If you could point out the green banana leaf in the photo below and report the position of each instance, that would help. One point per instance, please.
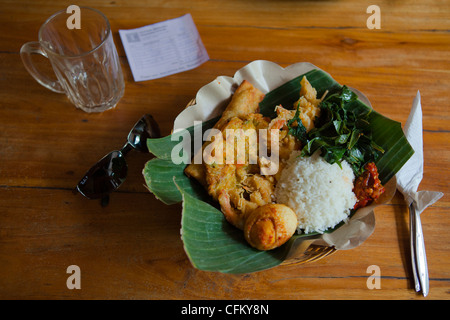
(210, 242)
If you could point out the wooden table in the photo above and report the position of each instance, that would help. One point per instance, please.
(132, 249)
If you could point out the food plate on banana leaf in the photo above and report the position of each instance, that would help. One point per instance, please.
(328, 160)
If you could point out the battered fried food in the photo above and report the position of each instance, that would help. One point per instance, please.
(270, 226)
(244, 101)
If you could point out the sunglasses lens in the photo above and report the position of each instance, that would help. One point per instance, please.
(145, 128)
(105, 177)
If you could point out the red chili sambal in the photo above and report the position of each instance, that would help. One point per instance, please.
(367, 186)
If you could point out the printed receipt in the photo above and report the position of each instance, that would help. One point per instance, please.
(163, 48)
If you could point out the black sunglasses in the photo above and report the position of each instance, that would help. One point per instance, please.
(110, 172)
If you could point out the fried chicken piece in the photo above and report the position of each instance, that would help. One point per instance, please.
(237, 184)
(244, 101)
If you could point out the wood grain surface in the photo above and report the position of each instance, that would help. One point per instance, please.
(132, 249)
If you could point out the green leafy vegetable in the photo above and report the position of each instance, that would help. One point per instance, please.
(342, 132)
(299, 129)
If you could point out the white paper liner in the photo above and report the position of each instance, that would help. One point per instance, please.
(212, 99)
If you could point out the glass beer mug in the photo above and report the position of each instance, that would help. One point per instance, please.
(85, 60)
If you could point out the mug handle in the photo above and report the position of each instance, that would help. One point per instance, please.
(26, 51)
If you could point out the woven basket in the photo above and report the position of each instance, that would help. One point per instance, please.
(313, 253)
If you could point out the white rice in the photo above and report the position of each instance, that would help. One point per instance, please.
(319, 193)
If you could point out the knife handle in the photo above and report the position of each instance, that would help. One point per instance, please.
(421, 257)
(412, 234)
